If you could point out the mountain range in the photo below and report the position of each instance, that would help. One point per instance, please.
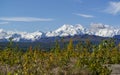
(96, 29)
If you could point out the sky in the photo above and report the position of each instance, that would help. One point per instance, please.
(48, 15)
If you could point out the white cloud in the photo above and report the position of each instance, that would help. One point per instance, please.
(25, 19)
(84, 15)
(1, 23)
(113, 8)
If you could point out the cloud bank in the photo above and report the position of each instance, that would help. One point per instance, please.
(1, 23)
(113, 8)
(84, 15)
(25, 19)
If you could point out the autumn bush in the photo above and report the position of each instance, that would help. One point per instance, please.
(80, 59)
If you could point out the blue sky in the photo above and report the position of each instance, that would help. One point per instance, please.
(47, 15)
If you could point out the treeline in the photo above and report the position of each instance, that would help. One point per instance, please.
(83, 58)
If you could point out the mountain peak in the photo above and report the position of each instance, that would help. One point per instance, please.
(67, 30)
(64, 27)
(103, 30)
(67, 25)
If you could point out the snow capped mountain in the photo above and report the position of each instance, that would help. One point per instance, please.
(104, 30)
(65, 30)
(31, 36)
(3, 34)
(95, 29)
(17, 36)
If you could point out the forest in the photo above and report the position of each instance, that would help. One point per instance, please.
(83, 58)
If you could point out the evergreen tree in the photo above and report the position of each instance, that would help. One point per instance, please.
(70, 45)
(57, 48)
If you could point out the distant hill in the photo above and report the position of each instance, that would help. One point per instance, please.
(49, 42)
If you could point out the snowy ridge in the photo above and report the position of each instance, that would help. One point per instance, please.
(17, 36)
(104, 30)
(65, 30)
